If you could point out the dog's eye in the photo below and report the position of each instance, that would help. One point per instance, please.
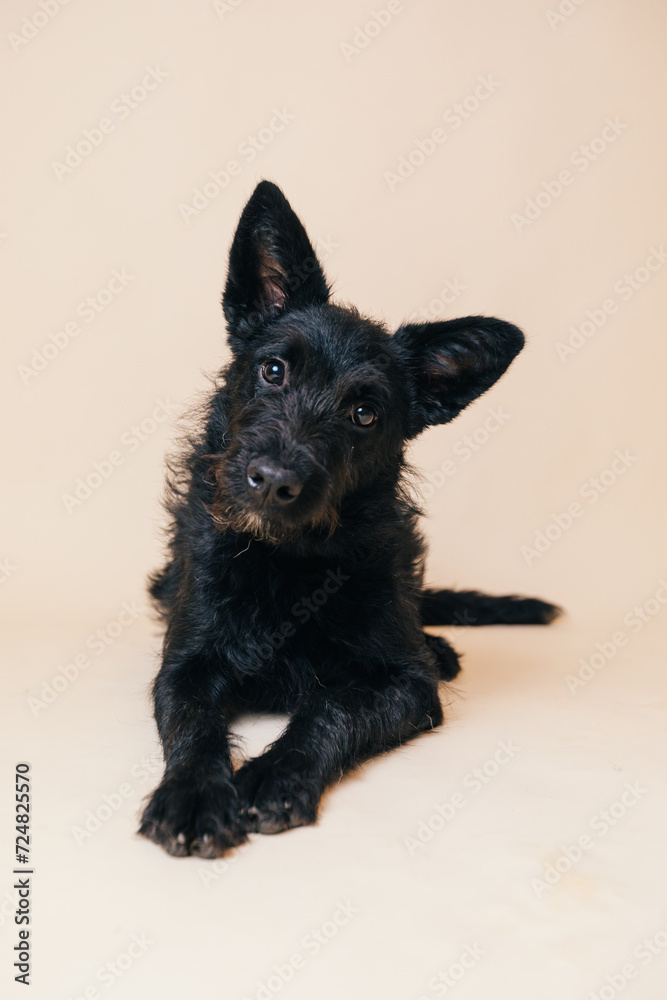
(364, 416)
(273, 371)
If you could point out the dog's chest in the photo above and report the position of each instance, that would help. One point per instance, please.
(275, 612)
(267, 593)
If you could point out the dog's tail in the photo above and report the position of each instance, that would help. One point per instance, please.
(469, 607)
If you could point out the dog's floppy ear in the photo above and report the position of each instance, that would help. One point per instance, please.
(272, 265)
(454, 362)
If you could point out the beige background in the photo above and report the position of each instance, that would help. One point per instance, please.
(391, 252)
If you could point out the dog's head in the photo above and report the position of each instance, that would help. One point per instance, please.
(320, 400)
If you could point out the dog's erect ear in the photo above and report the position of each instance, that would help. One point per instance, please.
(454, 362)
(272, 265)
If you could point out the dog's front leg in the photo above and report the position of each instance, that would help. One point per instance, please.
(194, 809)
(331, 732)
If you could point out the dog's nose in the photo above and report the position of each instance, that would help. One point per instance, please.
(272, 482)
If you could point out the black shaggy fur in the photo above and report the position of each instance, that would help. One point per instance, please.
(294, 581)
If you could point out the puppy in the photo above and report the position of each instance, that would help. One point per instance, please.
(294, 578)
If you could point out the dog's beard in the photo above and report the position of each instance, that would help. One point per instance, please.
(232, 516)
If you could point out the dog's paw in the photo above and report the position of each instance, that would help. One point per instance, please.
(446, 658)
(185, 816)
(273, 799)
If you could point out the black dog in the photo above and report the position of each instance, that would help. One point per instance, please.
(294, 582)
